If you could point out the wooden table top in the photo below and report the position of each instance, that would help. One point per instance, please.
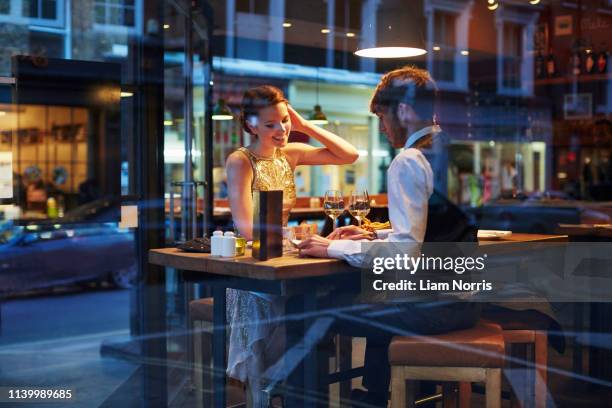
(289, 266)
(524, 237)
(593, 230)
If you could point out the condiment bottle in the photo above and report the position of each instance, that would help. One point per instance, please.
(240, 245)
(216, 243)
(229, 245)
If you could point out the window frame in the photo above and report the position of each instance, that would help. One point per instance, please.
(120, 28)
(463, 10)
(16, 16)
(526, 19)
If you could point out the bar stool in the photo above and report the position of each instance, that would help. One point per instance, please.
(465, 356)
(201, 316)
(527, 327)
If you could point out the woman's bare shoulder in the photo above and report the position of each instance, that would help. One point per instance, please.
(237, 161)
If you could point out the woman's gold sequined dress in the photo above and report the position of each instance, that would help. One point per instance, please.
(255, 336)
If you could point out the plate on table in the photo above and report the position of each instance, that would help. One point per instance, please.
(493, 234)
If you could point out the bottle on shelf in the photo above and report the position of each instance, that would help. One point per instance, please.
(540, 66)
(602, 60)
(575, 60)
(589, 62)
(551, 65)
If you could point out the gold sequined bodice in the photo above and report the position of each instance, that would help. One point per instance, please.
(273, 174)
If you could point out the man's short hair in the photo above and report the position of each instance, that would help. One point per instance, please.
(399, 86)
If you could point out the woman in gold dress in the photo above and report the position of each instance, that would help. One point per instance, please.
(267, 164)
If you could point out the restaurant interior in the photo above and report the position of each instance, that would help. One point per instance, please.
(117, 119)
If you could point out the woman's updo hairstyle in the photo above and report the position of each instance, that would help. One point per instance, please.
(258, 98)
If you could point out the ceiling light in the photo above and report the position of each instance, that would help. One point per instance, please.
(126, 94)
(436, 48)
(168, 123)
(534, 2)
(221, 111)
(399, 32)
(350, 35)
(390, 52)
(166, 26)
(325, 31)
(465, 52)
(287, 25)
(493, 6)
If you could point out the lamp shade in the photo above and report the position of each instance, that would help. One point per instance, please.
(221, 111)
(317, 116)
(396, 30)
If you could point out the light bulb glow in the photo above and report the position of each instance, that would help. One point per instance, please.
(493, 6)
(350, 35)
(319, 122)
(166, 26)
(465, 52)
(126, 94)
(222, 117)
(287, 25)
(325, 31)
(534, 2)
(436, 48)
(390, 52)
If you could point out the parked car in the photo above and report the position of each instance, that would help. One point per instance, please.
(538, 214)
(51, 253)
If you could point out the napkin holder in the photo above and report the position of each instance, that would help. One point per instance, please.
(267, 224)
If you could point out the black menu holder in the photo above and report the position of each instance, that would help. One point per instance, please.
(267, 224)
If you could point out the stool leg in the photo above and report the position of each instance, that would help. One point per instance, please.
(344, 362)
(541, 371)
(207, 374)
(449, 395)
(465, 394)
(197, 364)
(493, 388)
(398, 388)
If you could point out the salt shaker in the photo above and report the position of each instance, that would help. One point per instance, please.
(216, 243)
(229, 245)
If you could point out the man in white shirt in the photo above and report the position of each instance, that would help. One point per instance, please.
(409, 186)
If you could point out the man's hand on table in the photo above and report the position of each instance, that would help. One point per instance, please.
(315, 246)
(351, 232)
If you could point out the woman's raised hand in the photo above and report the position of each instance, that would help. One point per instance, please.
(298, 123)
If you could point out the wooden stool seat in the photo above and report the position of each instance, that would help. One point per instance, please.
(480, 346)
(201, 309)
(465, 356)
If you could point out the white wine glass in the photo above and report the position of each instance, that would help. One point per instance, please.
(359, 205)
(333, 205)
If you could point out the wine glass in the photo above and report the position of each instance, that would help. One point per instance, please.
(333, 205)
(359, 205)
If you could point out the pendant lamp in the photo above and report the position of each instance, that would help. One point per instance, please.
(317, 117)
(396, 30)
(221, 111)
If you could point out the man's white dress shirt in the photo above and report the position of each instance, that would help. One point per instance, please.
(409, 186)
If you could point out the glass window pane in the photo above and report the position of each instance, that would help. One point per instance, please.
(49, 9)
(128, 17)
(5, 6)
